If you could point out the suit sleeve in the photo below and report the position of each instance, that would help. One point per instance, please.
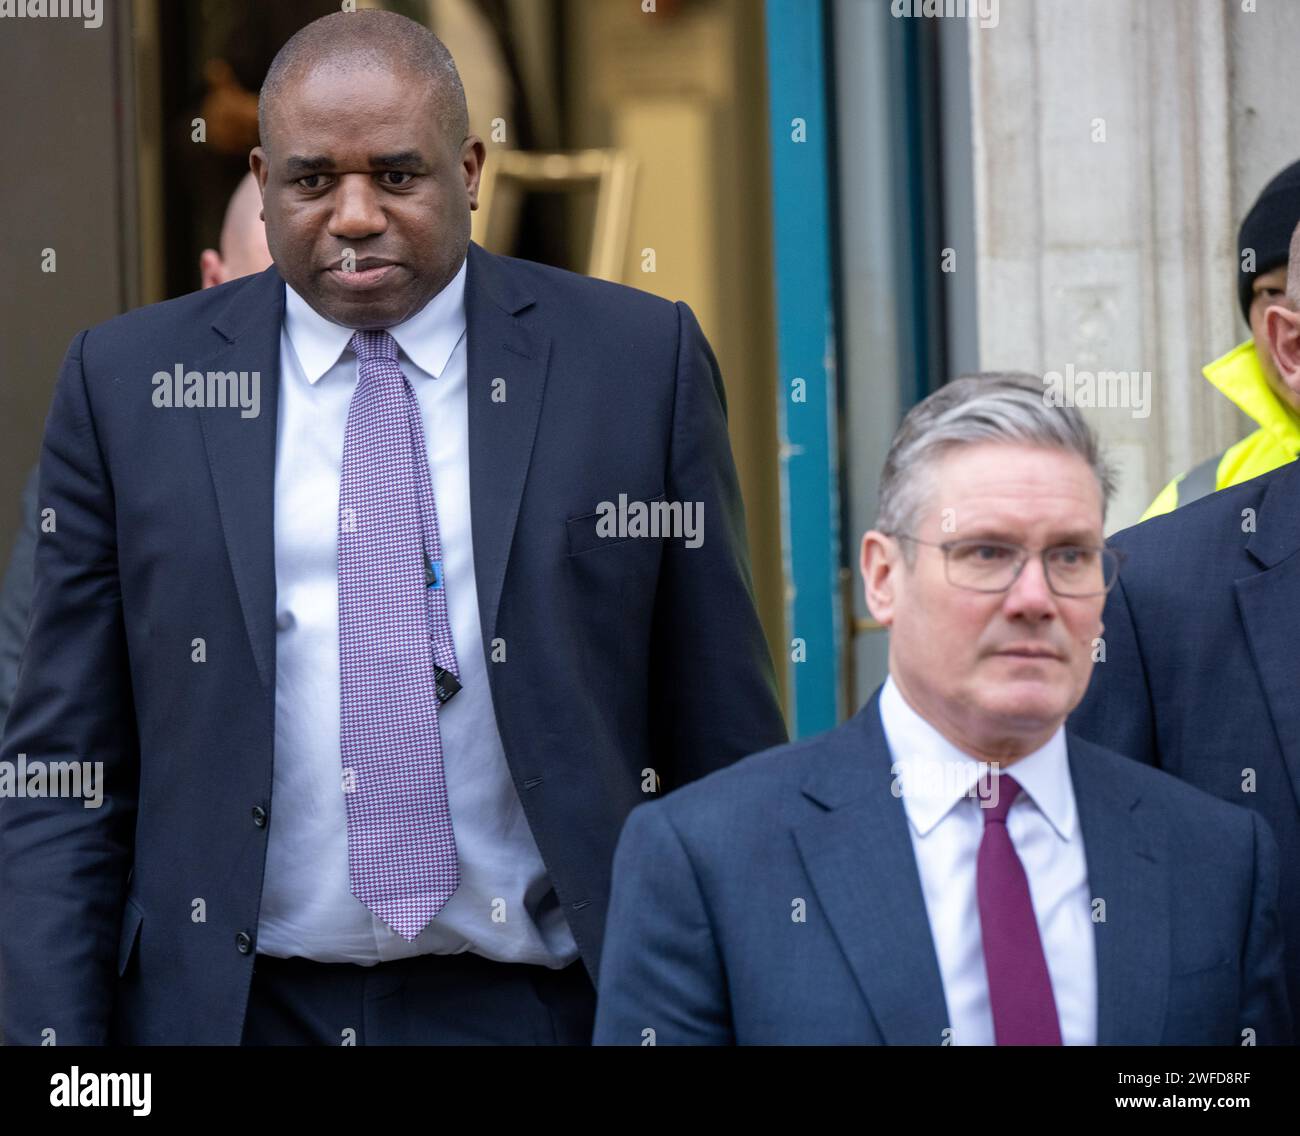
(1116, 710)
(1264, 1006)
(16, 598)
(63, 865)
(713, 683)
(661, 978)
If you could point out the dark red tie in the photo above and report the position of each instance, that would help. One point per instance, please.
(1020, 989)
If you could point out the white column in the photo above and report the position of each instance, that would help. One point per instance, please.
(1105, 215)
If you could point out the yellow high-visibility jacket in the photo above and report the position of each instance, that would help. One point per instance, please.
(1239, 376)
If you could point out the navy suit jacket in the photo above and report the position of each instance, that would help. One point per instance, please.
(16, 596)
(1202, 668)
(621, 656)
(702, 946)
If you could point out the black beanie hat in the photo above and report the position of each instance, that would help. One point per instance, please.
(1267, 229)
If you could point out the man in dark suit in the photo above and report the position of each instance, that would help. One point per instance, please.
(243, 251)
(949, 866)
(264, 547)
(1202, 635)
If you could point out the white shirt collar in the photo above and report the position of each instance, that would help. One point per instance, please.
(933, 774)
(427, 338)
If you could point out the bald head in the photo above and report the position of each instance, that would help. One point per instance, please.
(243, 236)
(344, 43)
(243, 239)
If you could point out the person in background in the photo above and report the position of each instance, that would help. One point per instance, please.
(16, 594)
(1202, 633)
(243, 252)
(1248, 375)
(243, 239)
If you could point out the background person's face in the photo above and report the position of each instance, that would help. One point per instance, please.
(995, 673)
(360, 162)
(1270, 288)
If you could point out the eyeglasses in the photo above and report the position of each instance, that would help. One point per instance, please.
(1072, 570)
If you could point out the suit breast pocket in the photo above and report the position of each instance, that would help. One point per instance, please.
(614, 523)
(1184, 969)
(1203, 1004)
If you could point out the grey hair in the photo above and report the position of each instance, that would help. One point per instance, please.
(369, 38)
(1009, 407)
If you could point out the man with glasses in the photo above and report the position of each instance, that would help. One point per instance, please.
(950, 866)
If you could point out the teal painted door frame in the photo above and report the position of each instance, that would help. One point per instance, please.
(801, 132)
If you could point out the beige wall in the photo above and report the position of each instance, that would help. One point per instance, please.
(686, 93)
(1120, 253)
(68, 188)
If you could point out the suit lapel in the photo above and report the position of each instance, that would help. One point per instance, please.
(1271, 615)
(241, 456)
(1120, 842)
(858, 855)
(507, 364)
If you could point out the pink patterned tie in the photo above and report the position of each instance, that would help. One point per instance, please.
(1020, 988)
(392, 610)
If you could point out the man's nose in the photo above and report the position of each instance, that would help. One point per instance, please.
(1030, 597)
(357, 213)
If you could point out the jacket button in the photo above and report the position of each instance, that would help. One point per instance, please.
(243, 943)
(259, 816)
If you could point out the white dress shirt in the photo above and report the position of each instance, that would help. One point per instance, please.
(946, 825)
(505, 907)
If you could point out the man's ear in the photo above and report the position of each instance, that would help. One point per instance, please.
(881, 563)
(261, 166)
(212, 270)
(1282, 326)
(473, 153)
